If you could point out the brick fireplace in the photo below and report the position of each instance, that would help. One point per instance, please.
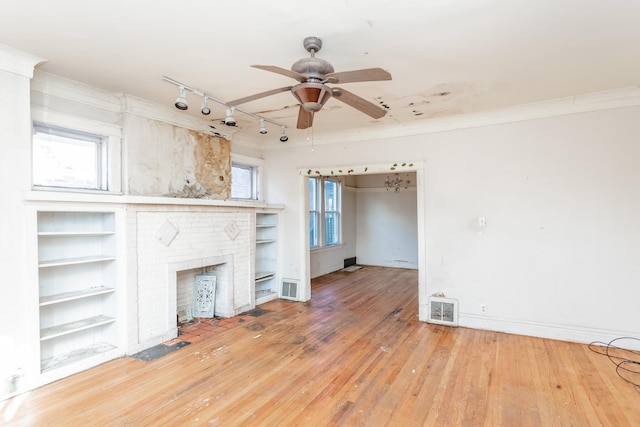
(168, 242)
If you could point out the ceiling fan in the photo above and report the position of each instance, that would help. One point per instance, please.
(312, 92)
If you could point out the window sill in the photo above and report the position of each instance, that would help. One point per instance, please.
(327, 248)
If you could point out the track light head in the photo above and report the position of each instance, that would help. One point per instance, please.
(263, 128)
(205, 108)
(181, 101)
(229, 120)
(283, 135)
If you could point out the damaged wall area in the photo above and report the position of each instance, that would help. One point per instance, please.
(213, 164)
(171, 161)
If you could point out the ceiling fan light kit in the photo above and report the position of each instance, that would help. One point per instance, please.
(311, 95)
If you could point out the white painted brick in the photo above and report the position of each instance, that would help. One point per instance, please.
(201, 235)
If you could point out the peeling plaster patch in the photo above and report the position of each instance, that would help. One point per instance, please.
(191, 191)
(212, 165)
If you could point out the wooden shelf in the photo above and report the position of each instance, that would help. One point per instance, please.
(74, 233)
(73, 261)
(70, 296)
(264, 275)
(79, 325)
(265, 296)
(75, 356)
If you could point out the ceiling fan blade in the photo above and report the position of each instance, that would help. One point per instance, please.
(364, 75)
(361, 104)
(257, 96)
(305, 118)
(279, 70)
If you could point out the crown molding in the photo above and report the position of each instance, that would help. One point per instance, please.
(18, 62)
(596, 101)
(54, 85)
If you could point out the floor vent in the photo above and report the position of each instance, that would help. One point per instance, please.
(289, 289)
(443, 311)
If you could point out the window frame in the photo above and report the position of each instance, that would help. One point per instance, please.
(99, 144)
(321, 210)
(111, 150)
(257, 168)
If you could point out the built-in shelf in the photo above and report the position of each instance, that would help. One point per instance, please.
(72, 327)
(266, 257)
(74, 295)
(73, 261)
(77, 301)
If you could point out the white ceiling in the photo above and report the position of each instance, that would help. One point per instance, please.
(446, 56)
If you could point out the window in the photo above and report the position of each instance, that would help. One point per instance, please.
(68, 158)
(243, 182)
(324, 212)
(245, 177)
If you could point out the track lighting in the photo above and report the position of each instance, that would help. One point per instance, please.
(283, 135)
(181, 101)
(205, 108)
(229, 120)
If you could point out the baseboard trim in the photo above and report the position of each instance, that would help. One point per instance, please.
(572, 333)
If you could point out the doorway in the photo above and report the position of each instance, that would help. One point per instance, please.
(405, 249)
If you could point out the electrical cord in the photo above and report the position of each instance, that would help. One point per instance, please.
(627, 361)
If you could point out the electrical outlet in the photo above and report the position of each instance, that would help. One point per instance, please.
(483, 308)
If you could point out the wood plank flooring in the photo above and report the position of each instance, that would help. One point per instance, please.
(355, 355)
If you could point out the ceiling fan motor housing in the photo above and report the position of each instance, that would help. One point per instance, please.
(312, 67)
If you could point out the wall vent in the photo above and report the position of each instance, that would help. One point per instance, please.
(443, 311)
(289, 289)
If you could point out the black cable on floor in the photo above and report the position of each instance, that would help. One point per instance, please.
(627, 361)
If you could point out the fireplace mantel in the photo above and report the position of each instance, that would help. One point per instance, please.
(110, 198)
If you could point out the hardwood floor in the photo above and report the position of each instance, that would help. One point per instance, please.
(356, 355)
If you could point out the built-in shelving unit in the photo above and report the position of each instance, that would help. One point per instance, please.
(266, 257)
(76, 286)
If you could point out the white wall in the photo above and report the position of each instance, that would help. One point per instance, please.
(16, 325)
(387, 228)
(559, 254)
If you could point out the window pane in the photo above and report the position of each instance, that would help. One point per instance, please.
(241, 182)
(331, 230)
(313, 229)
(330, 196)
(65, 158)
(313, 194)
